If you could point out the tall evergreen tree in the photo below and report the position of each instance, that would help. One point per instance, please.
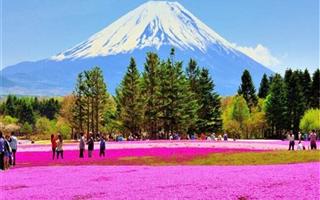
(150, 92)
(10, 106)
(247, 89)
(193, 73)
(276, 106)
(177, 105)
(25, 113)
(306, 87)
(100, 96)
(315, 90)
(295, 99)
(78, 107)
(209, 112)
(264, 87)
(130, 100)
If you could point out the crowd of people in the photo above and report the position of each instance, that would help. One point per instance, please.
(312, 137)
(57, 145)
(8, 149)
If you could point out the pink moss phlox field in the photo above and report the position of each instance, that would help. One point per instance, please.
(29, 159)
(295, 181)
(239, 144)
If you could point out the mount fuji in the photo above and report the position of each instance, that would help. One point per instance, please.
(154, 26)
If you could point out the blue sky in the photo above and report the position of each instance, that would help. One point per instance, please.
(279, 33)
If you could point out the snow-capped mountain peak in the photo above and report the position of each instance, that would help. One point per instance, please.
(152, 24)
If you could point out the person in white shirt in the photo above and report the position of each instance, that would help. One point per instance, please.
(300, 146)
(13, 145)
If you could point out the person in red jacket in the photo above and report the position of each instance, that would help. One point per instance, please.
(53, 145)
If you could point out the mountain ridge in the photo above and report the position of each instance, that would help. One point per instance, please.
(155, 26)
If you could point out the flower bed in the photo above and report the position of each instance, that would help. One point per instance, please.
(296, 181)
(119, 156)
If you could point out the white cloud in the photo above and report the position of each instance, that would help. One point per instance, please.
(260, 54)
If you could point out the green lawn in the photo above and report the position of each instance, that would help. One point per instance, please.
(247, 158)
(258, 158)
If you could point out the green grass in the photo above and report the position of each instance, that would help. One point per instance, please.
(257, 158)
(247, 158)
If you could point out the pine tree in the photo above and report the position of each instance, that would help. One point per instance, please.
(209, 113)
(99, 97)
(150, 92)
(276, 106)
(78, 108)
(315, 90)
(177, 105)
(10, 106)
(25, 113)
(130, 100)
(295, 100)
(264, 87)
(247, 89)
(306, 87)
(193, 73)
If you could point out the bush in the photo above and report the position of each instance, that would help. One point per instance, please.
(26, 128)
(310, 120)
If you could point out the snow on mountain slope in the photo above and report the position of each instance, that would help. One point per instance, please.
(155, 26)
(152, 24)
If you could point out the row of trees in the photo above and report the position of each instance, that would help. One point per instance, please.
(162, 100)
(90, 101)
(28, 109)
(285, 100)
(165, 99)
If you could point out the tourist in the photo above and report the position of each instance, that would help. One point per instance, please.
(102, 146)
(313, 140)
(81, 145)
(291, 141)
(225, 137)
(219, 137)
(299, 136)
(213, 136)
(90, 144)
(53, 145)
(300, 146)
(1, 151)
(59, 146)
(7, 152)
(13, 145)
(305, 136)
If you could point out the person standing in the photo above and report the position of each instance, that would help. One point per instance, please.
(299, 136)
(59, 147)
(13, 145)
(291, 141)
(90, 144)
(7, 152)
(313, 140)
(102, 146)
(53, 145)
(81, 145)
(1, 151)
(225, 137)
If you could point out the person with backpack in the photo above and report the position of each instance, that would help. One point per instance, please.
(102, 146)
(81, 145)
(90, 144)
